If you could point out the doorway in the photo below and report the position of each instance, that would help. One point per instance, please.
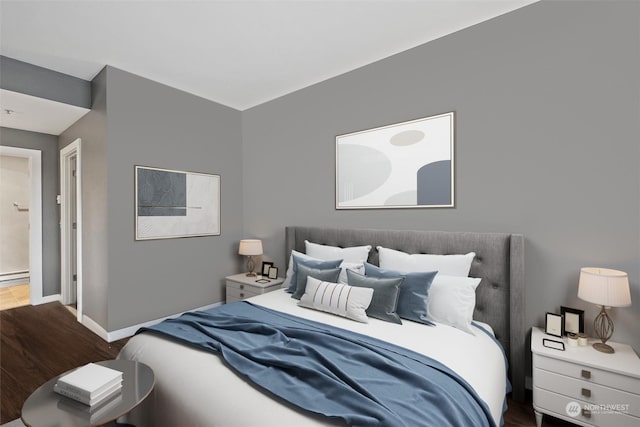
(71, 226)
(31, 207)
(14, 231)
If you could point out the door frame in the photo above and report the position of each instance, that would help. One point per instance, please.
(35, 218)
(66, 228)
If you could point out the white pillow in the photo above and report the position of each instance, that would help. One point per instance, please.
(450, 265)
(358, 267)
(452, 300)
(357, 254)
(337, 298)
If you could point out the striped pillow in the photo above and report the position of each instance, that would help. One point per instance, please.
(337, 298)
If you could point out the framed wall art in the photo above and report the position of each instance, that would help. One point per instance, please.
(171, 204)
(405, 165)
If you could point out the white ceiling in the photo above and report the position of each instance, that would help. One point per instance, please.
(26, 112)
(239, 53)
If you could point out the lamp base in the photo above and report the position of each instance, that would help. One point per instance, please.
(605, 348)
(250, 267)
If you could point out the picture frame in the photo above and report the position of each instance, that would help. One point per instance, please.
(573, 320)
(403, 165)
(266, 265)
(273, 273)
(554, 324)
(173, 204)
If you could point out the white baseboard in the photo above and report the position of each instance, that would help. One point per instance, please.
(131, 330)
(48, 299)
(94, 327)
(116, 335)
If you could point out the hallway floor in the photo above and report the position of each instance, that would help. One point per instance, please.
(14, 296)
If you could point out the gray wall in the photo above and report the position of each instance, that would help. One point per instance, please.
(48, 145)
(546, 101)
(150, 124)
(21, 77)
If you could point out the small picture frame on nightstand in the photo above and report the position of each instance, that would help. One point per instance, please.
(273, 273)
(573, 320)
(266, 265)
(554, 324)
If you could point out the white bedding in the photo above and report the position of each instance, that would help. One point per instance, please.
(194, 388)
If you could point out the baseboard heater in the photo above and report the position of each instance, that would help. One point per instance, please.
(13, 278)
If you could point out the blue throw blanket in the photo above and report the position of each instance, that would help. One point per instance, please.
(331, 371)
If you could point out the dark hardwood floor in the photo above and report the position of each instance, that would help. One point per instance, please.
(40, 342)
(521, 415)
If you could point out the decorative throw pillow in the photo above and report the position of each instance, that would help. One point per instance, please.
(452, 301)
(309, 262)
(451, 265)
(337, 298)
(354, 254)
(414, 291)
(304, 272)
(287, 277)
(385, 295)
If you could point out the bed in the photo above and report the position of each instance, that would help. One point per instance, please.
(197, 388)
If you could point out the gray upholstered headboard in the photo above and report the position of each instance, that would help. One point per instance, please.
(499, 262)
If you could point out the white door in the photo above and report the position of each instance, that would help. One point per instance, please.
(71, 225)
(74, 232)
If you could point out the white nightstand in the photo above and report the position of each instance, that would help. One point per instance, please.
(584, 386)
(240, 286)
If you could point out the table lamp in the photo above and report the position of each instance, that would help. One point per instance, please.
(606, 288)
(250, 248)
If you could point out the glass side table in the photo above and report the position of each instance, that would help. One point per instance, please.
(46, 408)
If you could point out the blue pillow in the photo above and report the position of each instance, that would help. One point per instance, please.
(385, 295)
(322, 275)
(414, 291)
(312, 263)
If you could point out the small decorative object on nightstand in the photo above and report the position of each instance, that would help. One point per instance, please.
(250, 248)
(584, 386)
(239, 286)
(606, 288)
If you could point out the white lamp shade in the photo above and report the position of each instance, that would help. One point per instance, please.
(250, 247)
(603, 286)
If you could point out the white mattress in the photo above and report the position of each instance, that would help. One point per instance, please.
(194, 388)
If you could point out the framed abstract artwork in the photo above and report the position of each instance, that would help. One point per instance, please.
(405, 165)
(171, 204)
